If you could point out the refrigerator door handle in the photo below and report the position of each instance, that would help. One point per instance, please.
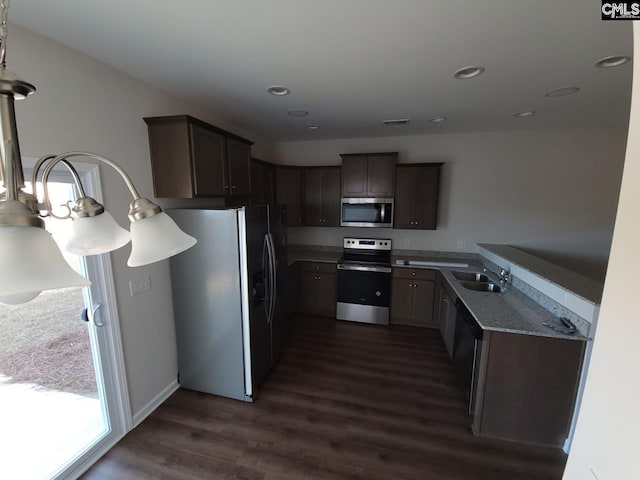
(266, 273)
(273, 279)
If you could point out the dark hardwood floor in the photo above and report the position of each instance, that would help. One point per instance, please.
(346, 401)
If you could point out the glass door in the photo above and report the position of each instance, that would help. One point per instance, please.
(63, 396)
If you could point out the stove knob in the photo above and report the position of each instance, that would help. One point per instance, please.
(378, 293)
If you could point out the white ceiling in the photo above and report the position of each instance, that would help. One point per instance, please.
(354, 63)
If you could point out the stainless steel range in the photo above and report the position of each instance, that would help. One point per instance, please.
(364, 280)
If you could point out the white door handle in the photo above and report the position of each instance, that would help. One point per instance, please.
(84, 315)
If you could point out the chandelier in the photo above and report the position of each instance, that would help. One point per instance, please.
(29, 257)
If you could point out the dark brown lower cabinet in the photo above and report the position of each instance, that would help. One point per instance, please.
(445, 305)
(527, 387)
(293, 288)
(412, 297)
(318, 288)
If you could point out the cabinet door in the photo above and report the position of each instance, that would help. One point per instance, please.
(268, 183)
(331, 197)
(239, 159)
(443, 305)
(422, 311)
(293, 288)
(401, 300)
(380, 175)
(308, 291)
(326, 294)
(404, 205)
(312, 197)
(171, 165)
(209, 154)
(257, 183)
(450, 330)
(289, 192)
(354, 176)
(426, 197)
(261, 183)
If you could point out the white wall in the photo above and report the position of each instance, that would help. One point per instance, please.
(554, 192)
(606, 442)
(82, 104)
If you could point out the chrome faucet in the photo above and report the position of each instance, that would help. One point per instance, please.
(504, 279)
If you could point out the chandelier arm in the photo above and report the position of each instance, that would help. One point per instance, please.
(45, 184)
(64, 156)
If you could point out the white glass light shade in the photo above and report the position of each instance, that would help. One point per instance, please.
(96, 235)
(156, 238)
(31, 262)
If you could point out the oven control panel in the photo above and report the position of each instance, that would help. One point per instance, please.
(367, 243)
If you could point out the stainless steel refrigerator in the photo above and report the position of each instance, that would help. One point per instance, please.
(228, 294)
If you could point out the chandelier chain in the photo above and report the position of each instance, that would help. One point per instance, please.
(4, 11)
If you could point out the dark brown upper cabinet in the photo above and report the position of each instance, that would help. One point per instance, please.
(321, 196)
(190, 158)
(416, 199)
(289, 192)
(368, 175)
(262, 182)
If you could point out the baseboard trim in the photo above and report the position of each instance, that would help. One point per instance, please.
(154, 403)
(88, 462)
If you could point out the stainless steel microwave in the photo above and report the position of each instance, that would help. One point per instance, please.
(366, 212)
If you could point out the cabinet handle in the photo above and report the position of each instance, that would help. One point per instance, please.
(232, 187)
(415, 223)
(413, 274)
(226, 187)
(446, 300)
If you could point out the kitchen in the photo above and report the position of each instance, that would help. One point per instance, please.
(480, 163)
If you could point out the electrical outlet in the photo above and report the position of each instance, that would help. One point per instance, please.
(461, 244)
(140, 285)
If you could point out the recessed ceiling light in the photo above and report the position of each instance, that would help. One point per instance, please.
(298, 113)
(562, 92)
(612, 61)
(527, 113)
(313, 127)
(278, 90)
(468, 72)
(438, 119)
(397, 121)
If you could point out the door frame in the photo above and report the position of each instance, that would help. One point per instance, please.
(111, 377)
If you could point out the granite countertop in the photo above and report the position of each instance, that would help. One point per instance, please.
(580, 285)
(510, 312)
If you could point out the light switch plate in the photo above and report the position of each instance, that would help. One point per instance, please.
(140, 285)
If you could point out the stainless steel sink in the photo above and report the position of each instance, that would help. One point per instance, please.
(471, 276)
(482, 286)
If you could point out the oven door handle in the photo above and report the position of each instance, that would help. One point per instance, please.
(363, 268)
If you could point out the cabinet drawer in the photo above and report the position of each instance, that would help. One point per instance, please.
(318, 267)
(415, 273)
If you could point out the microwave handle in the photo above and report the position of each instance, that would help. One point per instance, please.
(383, 212)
